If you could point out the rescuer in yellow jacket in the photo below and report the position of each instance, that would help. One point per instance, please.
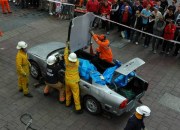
(22, 66)
(72, 79)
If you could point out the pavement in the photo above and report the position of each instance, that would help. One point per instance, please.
(161, 71)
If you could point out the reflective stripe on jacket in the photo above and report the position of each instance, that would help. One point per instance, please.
(72, 72)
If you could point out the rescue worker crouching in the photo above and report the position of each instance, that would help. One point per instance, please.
(72, 79)
(136, 122)
(104, 49)
(22, 66)
(52, 78)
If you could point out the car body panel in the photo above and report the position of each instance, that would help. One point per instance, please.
(130, 66)
(79, 34)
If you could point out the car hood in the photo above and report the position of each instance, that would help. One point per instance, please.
(42, 50)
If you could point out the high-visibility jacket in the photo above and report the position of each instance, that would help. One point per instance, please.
(104, 50)
(22, 63)
(72, 72)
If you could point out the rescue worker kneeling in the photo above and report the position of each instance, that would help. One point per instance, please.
(52, 78)
(72, 79)
(104, 49)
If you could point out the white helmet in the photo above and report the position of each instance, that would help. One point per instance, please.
(143, 110)
(21, 44)
(51, 60)
(72, 57)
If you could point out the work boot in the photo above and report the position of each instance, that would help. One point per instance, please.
(28, 95)
(20, 90)
(46, 94)
(62, 102)
(79, 111)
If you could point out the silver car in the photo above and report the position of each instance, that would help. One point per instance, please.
(95, 97)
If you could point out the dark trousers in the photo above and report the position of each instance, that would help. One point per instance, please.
(24, 3)
(177, 49)
(105, 24)
(155, 43)
(147, 40)
(167, 45)
(134, 35)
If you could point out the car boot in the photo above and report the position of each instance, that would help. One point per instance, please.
(28, 95)
(79, 111)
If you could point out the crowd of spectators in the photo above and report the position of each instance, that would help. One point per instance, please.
(156, 17)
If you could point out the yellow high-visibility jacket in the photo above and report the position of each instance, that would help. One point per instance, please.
(72, 72)
(22, 63)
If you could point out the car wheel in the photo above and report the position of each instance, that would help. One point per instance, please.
(92, 105)
(35, 70)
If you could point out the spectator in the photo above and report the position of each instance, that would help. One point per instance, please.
(136, 23)
(164, 4)
(149, 29)
(24, 4)
(92, 6)
(121, 2)
(177, 36)
(125, 19)
(146, 3)
(145, 13)
(177, 45)
(169, 16)
(105, 13)
(158, 5)
(169, 32)
(5, 4)
(114, 13)
(173, 6)
(156, 13)
(177, 12)
(122, 8)
(158, 29)
(137, 6)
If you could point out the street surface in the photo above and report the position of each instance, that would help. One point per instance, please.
(161, 71)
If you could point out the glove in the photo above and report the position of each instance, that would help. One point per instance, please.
(91, 32)
(24, 75)
(67, 44)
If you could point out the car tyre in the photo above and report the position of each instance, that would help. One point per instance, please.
(35, 70)
(92, 105)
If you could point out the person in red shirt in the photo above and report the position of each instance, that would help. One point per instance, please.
(92, 6)
(5, 4)
(125, 19)
(105, 11)
(169, 32)
(146, 2)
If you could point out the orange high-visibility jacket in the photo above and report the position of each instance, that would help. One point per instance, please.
(104, 49)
